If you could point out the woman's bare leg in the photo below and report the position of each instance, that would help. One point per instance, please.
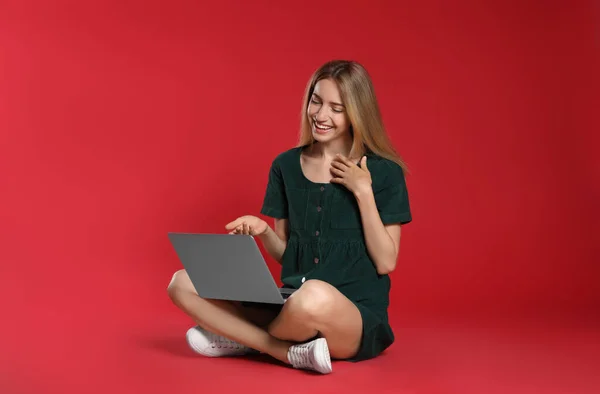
(224, 318)
(319, 308)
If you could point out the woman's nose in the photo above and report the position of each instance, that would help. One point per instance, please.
(320, 115)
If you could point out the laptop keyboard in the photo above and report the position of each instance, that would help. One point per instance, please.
(285, 292)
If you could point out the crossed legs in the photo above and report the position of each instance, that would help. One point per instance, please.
(317, 308)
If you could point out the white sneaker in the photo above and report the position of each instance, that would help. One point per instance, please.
(212, 345)
(313, 355)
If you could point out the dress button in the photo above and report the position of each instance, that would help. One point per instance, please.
(316, 260)
(317, 233)
(303, 279)
(318, 209)
(322, 188)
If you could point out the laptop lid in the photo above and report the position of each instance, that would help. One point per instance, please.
(226, 267)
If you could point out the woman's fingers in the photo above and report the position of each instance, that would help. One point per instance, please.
(339, 163)
(337, 172)
(345, 160)
(336, 166)
(241, 228)
(233, 224)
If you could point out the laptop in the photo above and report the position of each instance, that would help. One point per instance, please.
(227, 267)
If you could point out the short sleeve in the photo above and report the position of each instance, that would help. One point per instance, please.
(392, 195)
(275, 201)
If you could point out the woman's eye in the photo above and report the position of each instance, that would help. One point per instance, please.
(336, 110)
(314, 101)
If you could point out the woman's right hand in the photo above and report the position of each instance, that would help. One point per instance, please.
(247, 225)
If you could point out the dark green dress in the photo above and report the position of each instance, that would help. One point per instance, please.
(326, 239)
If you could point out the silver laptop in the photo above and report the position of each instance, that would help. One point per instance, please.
(227, 267)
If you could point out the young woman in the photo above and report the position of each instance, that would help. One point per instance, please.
(338, 200)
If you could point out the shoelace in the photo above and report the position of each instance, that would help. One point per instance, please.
(301, 356)
(217, 341)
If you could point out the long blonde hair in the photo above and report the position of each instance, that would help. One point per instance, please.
(358, 96)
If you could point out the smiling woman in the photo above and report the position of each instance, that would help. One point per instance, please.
(340, 95)
(338, 200)
(326, 110)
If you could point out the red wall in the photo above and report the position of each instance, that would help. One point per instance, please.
(121, 121)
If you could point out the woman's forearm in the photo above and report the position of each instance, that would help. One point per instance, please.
(274, 245)
(380, 245)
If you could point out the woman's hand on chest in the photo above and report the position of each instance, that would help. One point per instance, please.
(347, 173)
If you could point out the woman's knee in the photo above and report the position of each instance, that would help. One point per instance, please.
(180, 282)
(313, 301)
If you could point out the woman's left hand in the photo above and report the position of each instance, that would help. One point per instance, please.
(354, 178)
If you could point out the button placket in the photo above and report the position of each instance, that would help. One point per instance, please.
(317, 258)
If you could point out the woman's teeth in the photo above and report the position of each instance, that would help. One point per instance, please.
(324, 128)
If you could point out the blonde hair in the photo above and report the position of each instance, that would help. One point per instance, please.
(358, 96)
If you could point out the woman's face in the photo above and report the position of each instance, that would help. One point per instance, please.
(326, 112)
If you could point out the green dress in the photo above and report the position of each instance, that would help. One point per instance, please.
(326, 239)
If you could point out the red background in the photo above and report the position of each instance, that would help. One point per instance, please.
(121, 121)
